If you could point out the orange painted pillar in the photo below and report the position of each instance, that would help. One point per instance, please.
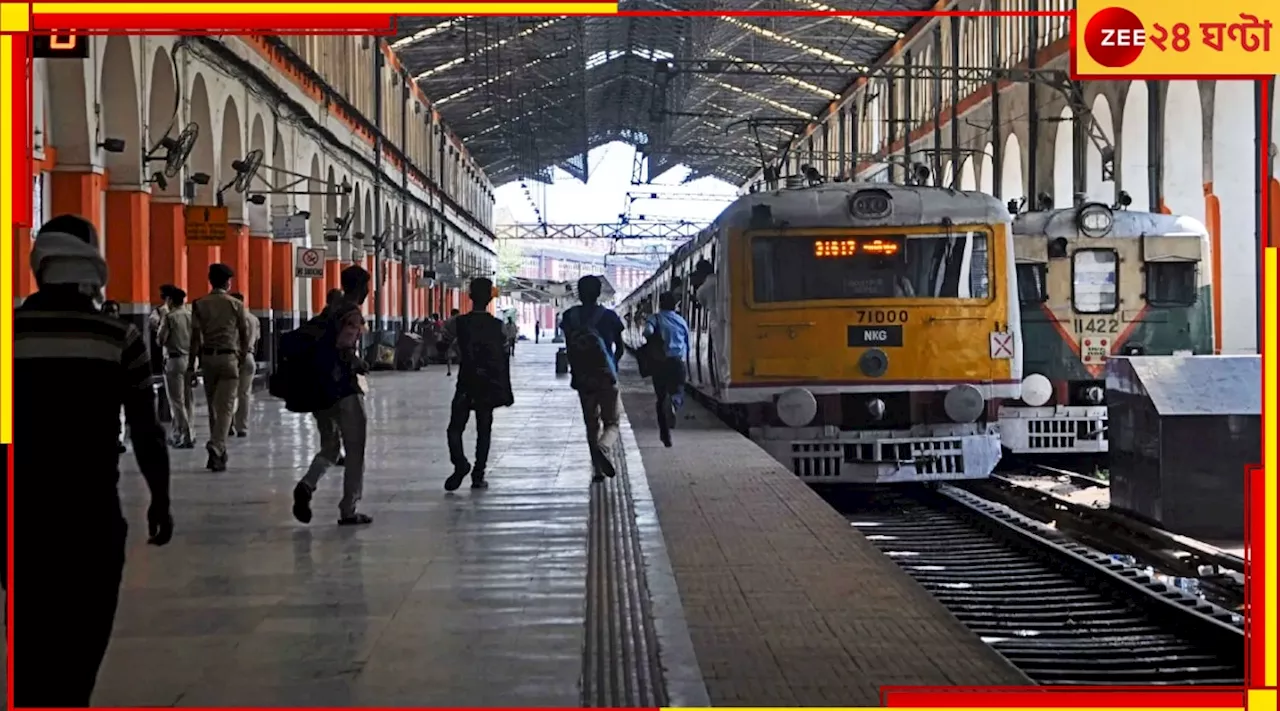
(258, 295)
(393, 293)
(128, 243)
(168, 245)
(282, 285)
(318, 292)
(77, 193)
(1213, 221)
(235, 254)
(282, 279)
(199, 257)
(332, 275)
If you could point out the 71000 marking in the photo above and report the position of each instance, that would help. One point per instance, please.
(878, 316)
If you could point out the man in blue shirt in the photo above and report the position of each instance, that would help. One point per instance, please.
(669, 374)
(593, 339)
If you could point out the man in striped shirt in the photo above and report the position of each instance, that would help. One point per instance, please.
(74, 368)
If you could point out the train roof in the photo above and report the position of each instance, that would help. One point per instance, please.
(1062, 223)
(827, 205)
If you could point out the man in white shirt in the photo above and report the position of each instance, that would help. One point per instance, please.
(248, 368)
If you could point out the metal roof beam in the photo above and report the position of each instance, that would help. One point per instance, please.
(824, 93)
(494, 79)
(490, 47)
(859, 22)
(424, 34)
(788, 41)
(757, 97)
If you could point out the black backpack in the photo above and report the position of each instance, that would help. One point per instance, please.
(588, 353)
(305, 366)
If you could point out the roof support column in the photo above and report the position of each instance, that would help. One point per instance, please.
(855, 144)
(997, 145)
(894, 123)
(909, 121)
(1033, 110)
(955, 102)
(1155, 145)
(937, 104)
(841, 164)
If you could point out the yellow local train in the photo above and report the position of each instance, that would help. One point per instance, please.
(858, 332)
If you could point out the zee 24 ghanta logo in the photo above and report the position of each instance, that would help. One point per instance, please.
(1116, 37)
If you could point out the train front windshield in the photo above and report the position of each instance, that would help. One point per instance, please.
(951, 265)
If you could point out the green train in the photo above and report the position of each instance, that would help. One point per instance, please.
(1095, 282)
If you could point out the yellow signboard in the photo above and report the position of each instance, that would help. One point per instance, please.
(1176, 38)
(206, 225)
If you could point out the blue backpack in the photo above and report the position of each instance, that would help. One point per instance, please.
(589, 357)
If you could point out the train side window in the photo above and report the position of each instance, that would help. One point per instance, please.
(1171, 283)
(1095, 279)
(1031, 283)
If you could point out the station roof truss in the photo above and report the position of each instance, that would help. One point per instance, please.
(529, 93)
(674, 230)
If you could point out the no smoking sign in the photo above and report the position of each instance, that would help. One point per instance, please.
(310, 263)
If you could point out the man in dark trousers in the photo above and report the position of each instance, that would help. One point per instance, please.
(484, 382)
(671, 333)
(72, 555)
(593, 338)
(346, 422)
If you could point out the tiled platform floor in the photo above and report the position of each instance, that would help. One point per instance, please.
(786, 604)
(472, 598)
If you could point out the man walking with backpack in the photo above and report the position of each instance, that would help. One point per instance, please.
(671, 334)
(593, 337)
(484, 383)
(331, 343)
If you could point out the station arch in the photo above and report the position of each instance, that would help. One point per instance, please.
(1064, 145)
(1133, 159)
(120, 112)
(1011, 182)
(968, 180)
(986, 171)
(1234, 226)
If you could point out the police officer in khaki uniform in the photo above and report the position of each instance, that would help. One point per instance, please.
(248, 368)
(219, 341)
(174, 338)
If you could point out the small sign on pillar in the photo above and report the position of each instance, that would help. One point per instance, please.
(310, 262)
(206, 224)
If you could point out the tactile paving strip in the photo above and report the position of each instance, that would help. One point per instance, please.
(620, 666)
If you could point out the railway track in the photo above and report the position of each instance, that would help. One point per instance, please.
(1064, 613)
(1077, 504)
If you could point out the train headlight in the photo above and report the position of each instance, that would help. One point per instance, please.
(876, 408)
(1093, 395)
(870, 204)
(1094, 219)
(796, 407)
(1036, 390)
(964, 403)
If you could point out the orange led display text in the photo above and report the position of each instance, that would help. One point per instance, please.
(827, 248)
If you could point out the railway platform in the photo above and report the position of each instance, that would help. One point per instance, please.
(701, 574)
